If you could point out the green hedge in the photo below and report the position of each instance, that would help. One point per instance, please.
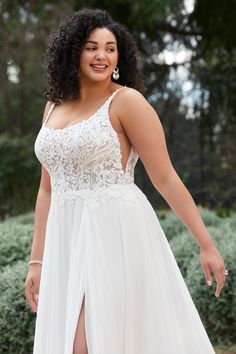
(17, 321)
(24, 219)
(218, 314)
(173, 226)
(15, 242)
(170, 224)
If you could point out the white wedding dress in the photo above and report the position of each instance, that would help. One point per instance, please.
(104, 241)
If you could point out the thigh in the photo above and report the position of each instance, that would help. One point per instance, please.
(80, 343)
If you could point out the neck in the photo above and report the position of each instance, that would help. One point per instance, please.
(90, 89)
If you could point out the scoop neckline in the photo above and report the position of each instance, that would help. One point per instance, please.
(82, 120)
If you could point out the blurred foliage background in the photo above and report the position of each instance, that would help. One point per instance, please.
(189, 54)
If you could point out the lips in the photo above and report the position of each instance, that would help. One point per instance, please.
(99, 68)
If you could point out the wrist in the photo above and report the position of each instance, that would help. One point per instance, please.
(206, 246)
(35, 261)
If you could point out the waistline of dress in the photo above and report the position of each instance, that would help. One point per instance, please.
(91, 193)
(93, 197)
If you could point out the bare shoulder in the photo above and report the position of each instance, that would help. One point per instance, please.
(129, 95)
(130, 103)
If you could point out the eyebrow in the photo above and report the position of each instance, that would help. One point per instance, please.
(94, 42)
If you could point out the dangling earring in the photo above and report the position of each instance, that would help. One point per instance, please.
(115, 74)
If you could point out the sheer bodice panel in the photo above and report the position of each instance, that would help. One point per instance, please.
(85, 155)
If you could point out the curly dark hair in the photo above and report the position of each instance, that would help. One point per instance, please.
(61, 58)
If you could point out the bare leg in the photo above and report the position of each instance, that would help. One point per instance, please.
(80, 344)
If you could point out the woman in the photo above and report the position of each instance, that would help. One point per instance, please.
(109, 283)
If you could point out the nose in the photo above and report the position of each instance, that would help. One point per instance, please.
(100, 55)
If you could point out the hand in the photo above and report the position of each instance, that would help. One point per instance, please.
(31, 285)
(211, 259)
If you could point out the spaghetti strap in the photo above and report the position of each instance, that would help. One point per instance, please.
(49, 112)
(109, 100)
(115, 92)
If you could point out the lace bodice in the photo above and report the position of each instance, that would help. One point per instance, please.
(85, 155)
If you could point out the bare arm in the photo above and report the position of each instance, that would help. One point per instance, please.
(32, 281)
(41, 210)
(145, 132)
(41, 213)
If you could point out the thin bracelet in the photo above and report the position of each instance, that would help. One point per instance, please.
(35, 261)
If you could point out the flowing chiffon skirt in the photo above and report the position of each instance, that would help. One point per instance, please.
(113, 251)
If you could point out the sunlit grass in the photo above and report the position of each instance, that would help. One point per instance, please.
(222, 350)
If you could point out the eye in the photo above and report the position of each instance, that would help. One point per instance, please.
(111, 49)
(90, 48)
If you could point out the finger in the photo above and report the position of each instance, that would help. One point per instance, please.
(31, 294)
(207, 274)
(30, 298)
(28, 287)
(36, 295)
(220, 279)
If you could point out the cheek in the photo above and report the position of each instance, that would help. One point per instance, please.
(116, 56)
(85, 58)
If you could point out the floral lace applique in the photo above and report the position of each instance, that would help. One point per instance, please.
(85, 158)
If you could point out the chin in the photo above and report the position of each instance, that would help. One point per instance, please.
(99, 78)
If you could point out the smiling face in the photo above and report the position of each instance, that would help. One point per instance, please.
(99, 56)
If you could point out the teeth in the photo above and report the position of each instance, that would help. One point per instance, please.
(99, 66)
